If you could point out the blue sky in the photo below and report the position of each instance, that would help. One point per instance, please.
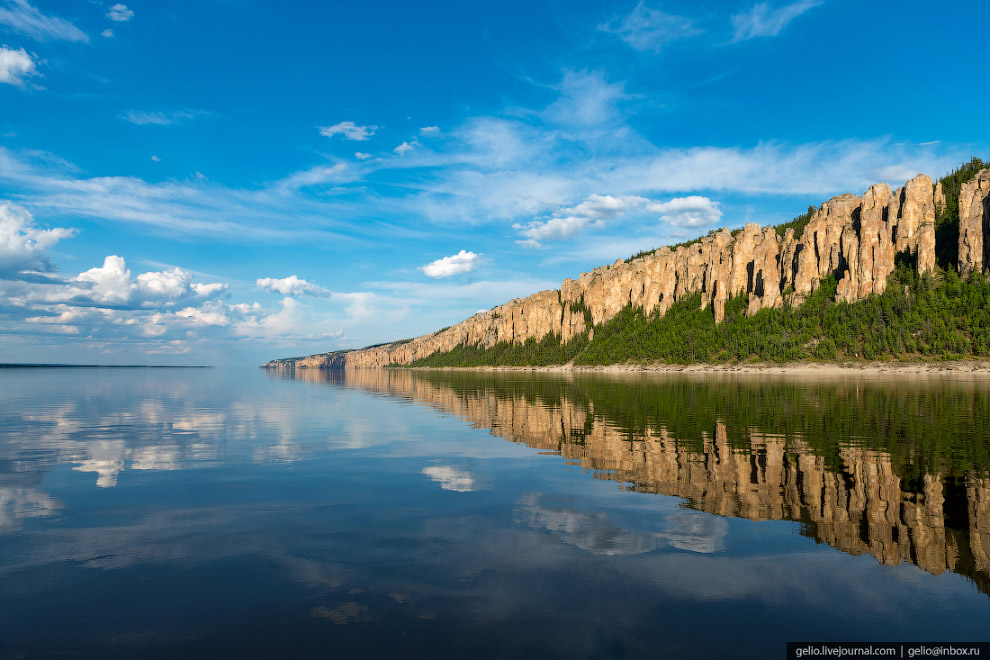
(227, 181)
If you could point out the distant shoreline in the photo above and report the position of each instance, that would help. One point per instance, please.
(4, 365)
(954, 368)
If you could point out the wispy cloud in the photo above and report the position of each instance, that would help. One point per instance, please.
(15, 66)
(349, 130)
(567, 222)
(21, 16)
(120, 13)
(692, 211)
(762, 21)
(456, 264)
(162, 118)
(648, 29)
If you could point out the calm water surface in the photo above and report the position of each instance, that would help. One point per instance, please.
(244, 513)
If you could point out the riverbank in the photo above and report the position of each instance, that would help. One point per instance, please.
(960, 367)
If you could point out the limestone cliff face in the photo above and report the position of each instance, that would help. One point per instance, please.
(856, 239)
(974, 224)
(859, 506)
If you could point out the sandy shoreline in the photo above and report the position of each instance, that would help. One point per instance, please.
(958, 368)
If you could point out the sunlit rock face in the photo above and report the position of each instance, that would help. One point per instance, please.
(974, 224)
(855, 239)
(849, 497)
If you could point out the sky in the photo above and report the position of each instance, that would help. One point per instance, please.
(225, 182)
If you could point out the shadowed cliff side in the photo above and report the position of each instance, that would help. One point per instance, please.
(820, 462)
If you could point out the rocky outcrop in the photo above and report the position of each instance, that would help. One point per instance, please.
(853, 239)
(332, 360)
(974, 224)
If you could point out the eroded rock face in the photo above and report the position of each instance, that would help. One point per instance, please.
(855, 239)
(974, 224)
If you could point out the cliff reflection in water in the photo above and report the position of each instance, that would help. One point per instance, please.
(895, 470)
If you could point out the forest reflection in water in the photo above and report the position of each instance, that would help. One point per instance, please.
(898, 470)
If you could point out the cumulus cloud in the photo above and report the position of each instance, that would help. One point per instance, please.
(291, 286)
(361, 155)
(349, 130)
(761, 21)
(15, 66)
(22, 244)
(568, 222)
(112, 284)
(430, 130)
(107, 34)
(120, 13)
(462, 262)
(21, 17)
(406, 147)
(651, 29)
(692, 211)
(212, 313)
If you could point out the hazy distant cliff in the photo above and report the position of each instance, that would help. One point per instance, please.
(854, 239)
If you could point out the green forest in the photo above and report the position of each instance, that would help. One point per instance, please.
(937, 316)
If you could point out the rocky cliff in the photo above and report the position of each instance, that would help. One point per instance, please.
(855, 239)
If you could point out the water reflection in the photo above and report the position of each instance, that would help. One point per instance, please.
(352, 516)
(895, 470)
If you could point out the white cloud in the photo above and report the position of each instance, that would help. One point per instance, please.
(110, 283)
(451, 478)
(161, 118)
(206, 290)
(349, 130)
(167, 284)
(462, 262)
(360, 155)
(406, 147)
(285, 322)
(211, 313)
(430, 130)
(692, 211)
(120, 13)
(21, 244)
(315, 176)
(651, 29)
(15, 66)
(291, 286)
(587, 100)
(568, 222)
(21, 17)
(761, 21)
(107, 34)
(156, 159)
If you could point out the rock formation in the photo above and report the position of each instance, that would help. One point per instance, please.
(854, 239)
(974, 224)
